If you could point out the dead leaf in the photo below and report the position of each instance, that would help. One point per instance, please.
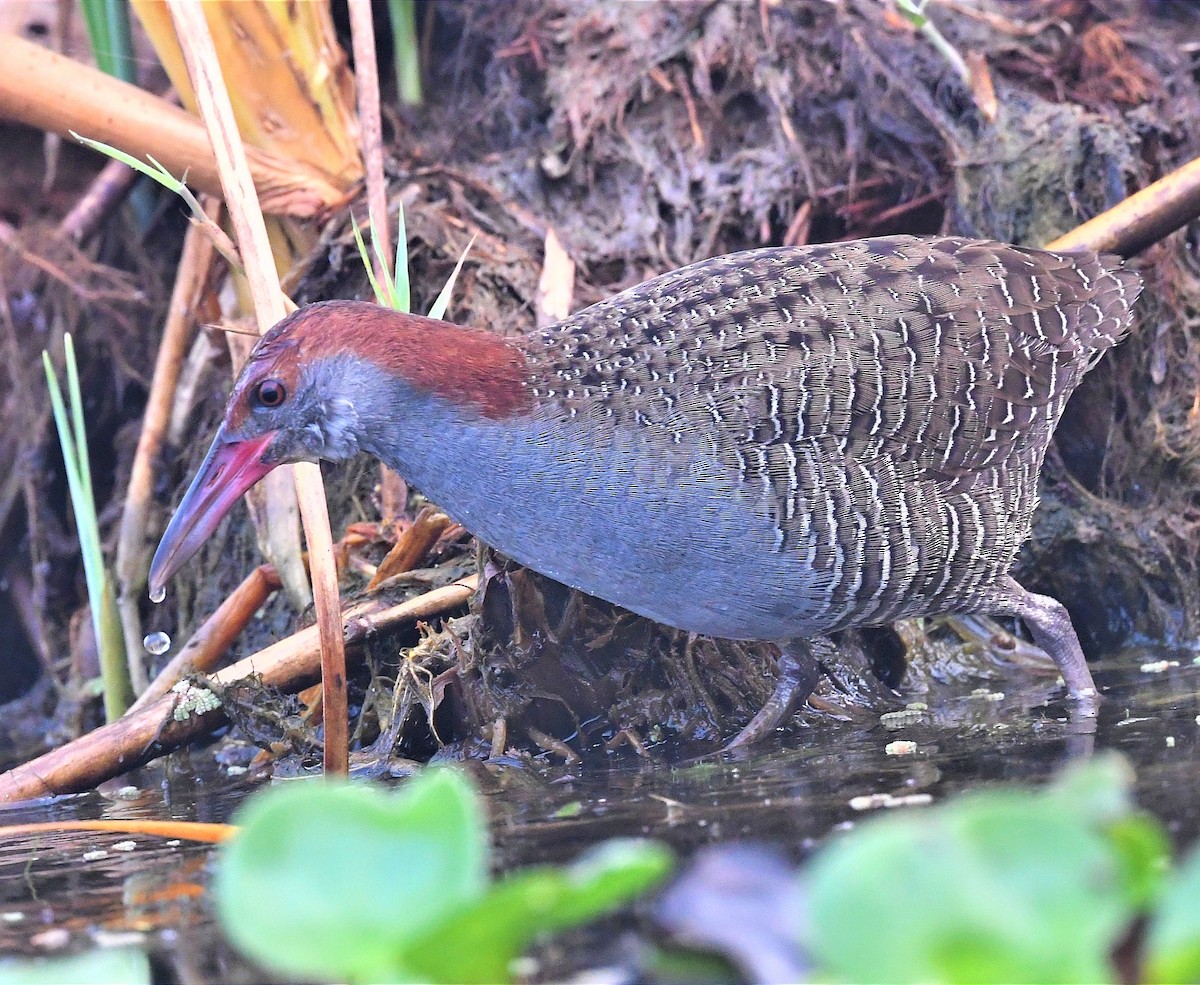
(556, 286)
(982, 89)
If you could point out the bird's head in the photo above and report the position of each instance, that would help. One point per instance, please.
(316, 386)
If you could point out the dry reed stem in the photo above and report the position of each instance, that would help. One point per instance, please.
(362, 31)
(208, 644)
(983, 90)
(297, 656)
(152, 731)
(136, 531)
(269, 307)
(412, 546)
(393, 489)
(203, 831)
(50, 92)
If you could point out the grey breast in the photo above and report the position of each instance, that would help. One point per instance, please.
(879, 409)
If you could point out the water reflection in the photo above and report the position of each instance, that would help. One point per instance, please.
(72, 889)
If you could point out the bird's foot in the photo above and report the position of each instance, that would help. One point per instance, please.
(1051, 627)
(798, 673)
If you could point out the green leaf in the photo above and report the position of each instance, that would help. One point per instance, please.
(607, 876)
(912, 13)
(498, 928)
(120, 966)
(108, 30)
(487, 936)
(96, 21)
(999, 886)
(337, 881)
(1143, 852)
(394, 292)
(571, 809)
(1173, 938)
(120, 37)
(1098, 789)
(389, 280)
(327, 879)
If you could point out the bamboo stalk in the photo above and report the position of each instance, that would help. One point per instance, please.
(269, 307)
(46, 90)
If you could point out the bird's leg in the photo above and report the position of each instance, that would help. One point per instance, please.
(798, 673)
(1051, 627)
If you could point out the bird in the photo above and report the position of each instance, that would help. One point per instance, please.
(770, 445)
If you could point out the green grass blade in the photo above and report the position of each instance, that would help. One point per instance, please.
(87, 525)
(400, 278)
(61, 421)
(101, 598)
(114, 667)
(180, 182)
(406, 51)
(389, 282)
(75, 394)
(443, 299)
(380, 295)
(120, 39)
(75, 486)
(157, 172)
(98, 25)
(110, 35)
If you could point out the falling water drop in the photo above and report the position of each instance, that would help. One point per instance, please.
(158, 594)
(157, 643)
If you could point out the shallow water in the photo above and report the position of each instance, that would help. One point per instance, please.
(72, 890)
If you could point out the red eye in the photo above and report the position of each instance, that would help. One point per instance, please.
(270, 393)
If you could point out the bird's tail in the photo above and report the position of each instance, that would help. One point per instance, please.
(1105, 303)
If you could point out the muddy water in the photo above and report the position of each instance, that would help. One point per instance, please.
(69, 891)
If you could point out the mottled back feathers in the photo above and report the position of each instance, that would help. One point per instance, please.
(889, 400)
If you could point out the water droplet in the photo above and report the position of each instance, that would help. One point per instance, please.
(157, 643)
(158, 594)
